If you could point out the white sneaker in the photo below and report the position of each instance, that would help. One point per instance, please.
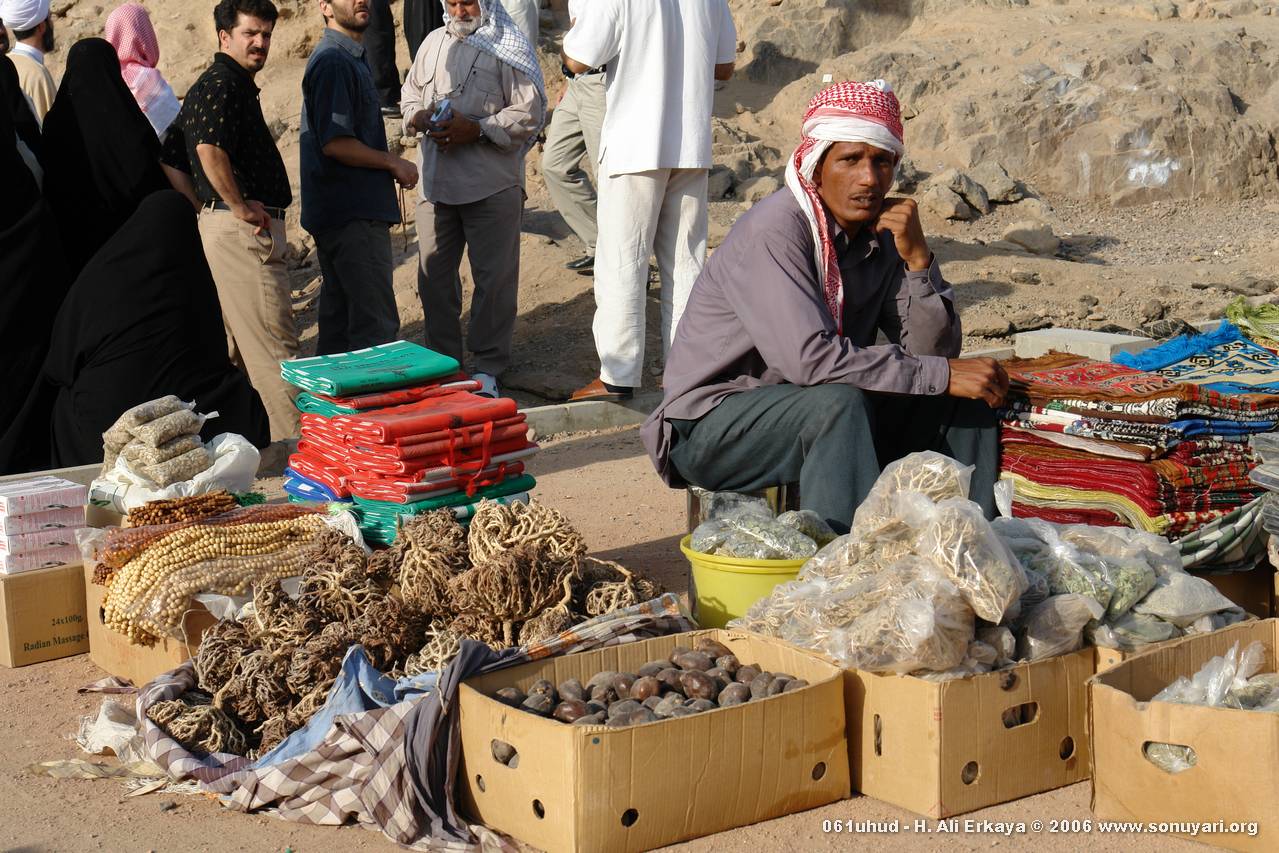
(488, 385)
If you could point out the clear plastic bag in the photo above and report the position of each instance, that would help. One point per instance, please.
(750, 537)
(1132, 631)
(1056, 626)
(1216, 621)
(178, 469)
(961, 541)
(730, 504)
(742, 545)
(1183, 598)
(169, 427)
(709, 536)
(810, 524)
(1001, 640)
(139, 453)
(121, 432)
(1215, 680)
(933, 475)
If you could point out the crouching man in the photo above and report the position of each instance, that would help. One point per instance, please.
(775, 375)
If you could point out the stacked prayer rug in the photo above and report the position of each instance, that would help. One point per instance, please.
(396, 431)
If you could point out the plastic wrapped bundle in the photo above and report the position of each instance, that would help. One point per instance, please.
(1056, 626)
(933, 475)
(751, 537)
(1132, 631)
(1126, 562)
(810, 524)
(961, 541)
(722, 505)
(1183, 598)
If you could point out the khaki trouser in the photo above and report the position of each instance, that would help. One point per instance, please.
(574, 131)
(489, 231)
(257, 308)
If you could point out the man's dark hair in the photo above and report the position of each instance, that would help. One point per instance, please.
(227, 13)
(23, 35)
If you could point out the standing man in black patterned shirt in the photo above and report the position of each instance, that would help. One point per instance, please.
(222, 140)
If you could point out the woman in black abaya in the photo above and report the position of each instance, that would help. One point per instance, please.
(101, 155)
(141, 321)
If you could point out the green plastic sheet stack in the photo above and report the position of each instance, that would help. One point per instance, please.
(379, 520)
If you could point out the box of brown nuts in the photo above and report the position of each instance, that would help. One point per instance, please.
(691, 747)
(950, 747)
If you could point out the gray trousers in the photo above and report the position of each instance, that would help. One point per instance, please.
(833, 440)
(489, 231)
(357, 301)
(574, 133)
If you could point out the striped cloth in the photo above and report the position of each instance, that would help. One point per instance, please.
(360, 770)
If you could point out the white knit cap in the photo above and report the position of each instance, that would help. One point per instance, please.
(23, 14)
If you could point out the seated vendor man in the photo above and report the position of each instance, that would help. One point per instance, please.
(775, 376)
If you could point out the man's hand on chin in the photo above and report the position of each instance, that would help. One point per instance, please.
(978, 379)
(900, 217)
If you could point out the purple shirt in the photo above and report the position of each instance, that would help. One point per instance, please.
(756, 317)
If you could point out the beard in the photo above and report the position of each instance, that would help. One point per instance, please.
(352, 23)
(47, 43)
(460, 28)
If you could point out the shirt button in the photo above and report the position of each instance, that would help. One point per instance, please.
(932, 389)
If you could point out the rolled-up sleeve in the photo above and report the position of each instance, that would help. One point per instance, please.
(522, 116)
(772, 290)
(921, 317)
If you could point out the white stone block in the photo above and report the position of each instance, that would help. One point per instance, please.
(1102, 346)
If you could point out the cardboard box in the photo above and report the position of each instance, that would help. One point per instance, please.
(945, 748)
(594, 788)
(1253, 590)
(1235, 778)
(114, 653)
(42, 615)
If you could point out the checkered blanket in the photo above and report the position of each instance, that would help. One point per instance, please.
(361, 770)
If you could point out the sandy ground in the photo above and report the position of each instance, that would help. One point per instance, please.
(606, 486)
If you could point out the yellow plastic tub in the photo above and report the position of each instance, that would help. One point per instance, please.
(723, 588)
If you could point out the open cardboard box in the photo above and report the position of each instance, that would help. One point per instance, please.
(114, 653)
(946, 748)
(1235, 778)
(595, 788)
(42, 615)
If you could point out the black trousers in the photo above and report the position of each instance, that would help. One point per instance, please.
(379, 43)
(420, 17)
(834, 440)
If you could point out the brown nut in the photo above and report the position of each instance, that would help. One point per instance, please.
(625, 706)
(572, 691)
(699, 685)
(605, 677)
(785, 675)
(652, 702)
(604, 694)
(695, 661)
(728, 663)
(760, 684)
(594, 707)
(670, 679)
(681, 711)
(778, 684)
(645, 687)
(653, 667)
(503, 752)
(622, 683)
(542, 686)
(700, 705)
(734, 694)
(722, 678)
(794, 685)
(512, 696)
(567, 712)
(668, 703)
(643, 715)
(539, 703)
(677, 651)
(590, 720)
(746, 674)
(714, 648)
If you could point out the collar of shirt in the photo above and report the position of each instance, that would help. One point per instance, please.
(859, 247)
(237, 69)
(344, 41)
(27, 50)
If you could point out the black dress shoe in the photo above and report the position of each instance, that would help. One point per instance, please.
(582, 265)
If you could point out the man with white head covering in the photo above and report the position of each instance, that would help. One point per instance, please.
(475, 90)
(775, 375)
(32, 39)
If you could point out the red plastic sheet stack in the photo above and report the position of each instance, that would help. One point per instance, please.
(443, 440)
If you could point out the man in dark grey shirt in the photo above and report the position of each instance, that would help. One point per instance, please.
(775, 374)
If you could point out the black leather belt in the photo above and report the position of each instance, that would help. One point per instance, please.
(273, 212)
(571, 76)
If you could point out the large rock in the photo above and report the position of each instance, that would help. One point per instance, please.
(909, 176)
(757, 189)
(999, 187)
(719, 183)
(946, 203)
(964, 186)
(1033, 237)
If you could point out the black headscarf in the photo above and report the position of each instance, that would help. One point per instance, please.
(101, 155)
(24, 121)
(141, 321)
(33, 275)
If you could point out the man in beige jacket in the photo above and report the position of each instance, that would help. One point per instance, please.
(32, 39)
(471, 161)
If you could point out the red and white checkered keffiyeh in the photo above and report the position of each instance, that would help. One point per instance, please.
(845, 112)
(129, 31)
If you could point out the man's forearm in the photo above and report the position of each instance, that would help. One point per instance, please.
(350, 151)
(181, 182)
(217, 168)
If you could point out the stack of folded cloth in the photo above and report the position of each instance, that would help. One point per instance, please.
(396, 430)
(39, 518)
(1106, 444)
